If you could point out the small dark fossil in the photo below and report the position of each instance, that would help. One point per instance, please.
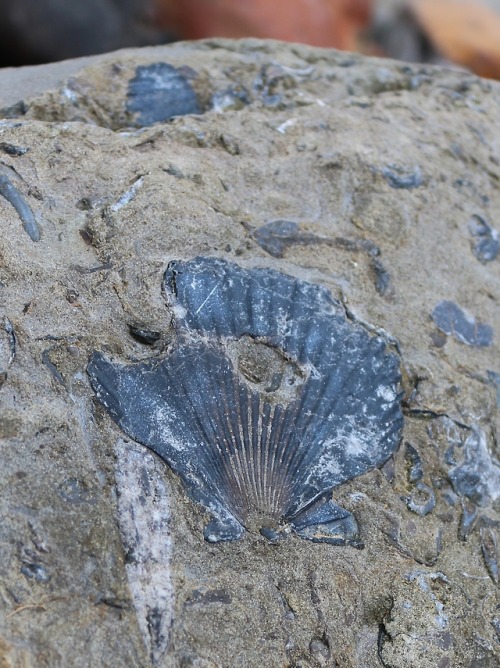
(398, 176)
(452, 320)
(11, 194)
(159, 92)
(486, 239)
(144, 335)
(477, 475)
(268, 399)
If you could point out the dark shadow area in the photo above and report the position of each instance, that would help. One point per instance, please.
(40, 31)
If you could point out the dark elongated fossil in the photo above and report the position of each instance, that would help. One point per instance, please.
(268, 400)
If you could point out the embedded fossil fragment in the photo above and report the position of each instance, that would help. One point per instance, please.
(268, 400)
(10, 193)
(159, 92)
(487, 242)
(452, 320)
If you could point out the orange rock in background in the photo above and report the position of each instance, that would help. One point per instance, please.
(334, 23)
(465, 31)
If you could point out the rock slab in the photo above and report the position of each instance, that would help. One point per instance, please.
(377, 180)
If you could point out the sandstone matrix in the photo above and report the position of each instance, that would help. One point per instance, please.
(376, 179)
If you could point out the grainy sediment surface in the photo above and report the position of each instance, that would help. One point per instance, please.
(378, 180)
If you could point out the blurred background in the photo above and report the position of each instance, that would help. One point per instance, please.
(460, 33)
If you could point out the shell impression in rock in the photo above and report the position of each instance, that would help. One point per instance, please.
(268, 400)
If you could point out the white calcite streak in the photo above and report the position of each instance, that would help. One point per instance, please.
(144, 521)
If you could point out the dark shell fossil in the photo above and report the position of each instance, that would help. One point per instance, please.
(268, 400)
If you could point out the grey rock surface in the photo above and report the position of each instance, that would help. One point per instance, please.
(361, 175)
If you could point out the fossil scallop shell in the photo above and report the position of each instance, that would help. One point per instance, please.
(268, 399)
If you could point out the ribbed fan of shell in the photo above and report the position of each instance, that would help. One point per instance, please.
(268, 400)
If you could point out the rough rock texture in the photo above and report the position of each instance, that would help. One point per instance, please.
(378, 180)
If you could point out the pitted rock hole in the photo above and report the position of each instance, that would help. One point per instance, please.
(267, 370)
